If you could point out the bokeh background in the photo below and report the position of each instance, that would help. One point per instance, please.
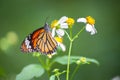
(18, 18)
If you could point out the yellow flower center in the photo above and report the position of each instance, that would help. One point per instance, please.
(54, 23)
(90, 20)
(58, 39)
(70, 21)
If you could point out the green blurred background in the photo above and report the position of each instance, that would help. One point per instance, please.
(18, 18)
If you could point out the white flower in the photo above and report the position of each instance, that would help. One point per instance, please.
(89, 24)
(58, 26)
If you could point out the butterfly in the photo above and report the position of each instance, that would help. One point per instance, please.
(40, 40)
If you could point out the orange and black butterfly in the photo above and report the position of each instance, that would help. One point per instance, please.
(41, 41)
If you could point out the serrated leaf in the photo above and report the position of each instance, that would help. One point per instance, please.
(52, 77)
(30, 71)
(63, 60)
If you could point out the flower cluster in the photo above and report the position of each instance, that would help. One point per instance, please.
(59, 27)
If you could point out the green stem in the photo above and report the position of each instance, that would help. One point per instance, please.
(68, 64)
(76, 69)
(76, 36)
(41, 62)
(69, 53)
(45, 66)
(68, 35)
(48, 66)
(71, 33)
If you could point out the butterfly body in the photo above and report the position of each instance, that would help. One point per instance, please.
(41, 41)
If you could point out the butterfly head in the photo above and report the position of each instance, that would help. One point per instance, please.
(46, 27)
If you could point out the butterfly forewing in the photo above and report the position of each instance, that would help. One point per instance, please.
(36, 35)
(41, 41)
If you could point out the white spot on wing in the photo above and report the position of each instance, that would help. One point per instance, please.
(27, 43)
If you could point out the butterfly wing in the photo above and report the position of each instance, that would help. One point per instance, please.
(40, 40)
(29, 44)
(46, 43)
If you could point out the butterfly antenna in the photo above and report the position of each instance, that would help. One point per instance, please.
(47, 19)
(46, 26)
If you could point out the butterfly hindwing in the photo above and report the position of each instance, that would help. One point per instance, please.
(47, 44)
(52, 42)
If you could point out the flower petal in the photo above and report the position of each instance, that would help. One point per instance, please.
(53, 32)
(60, 32)
(64, 25)
(91, 28)
(82, 20)
(62, 46)
(88, 27)
(62, 19)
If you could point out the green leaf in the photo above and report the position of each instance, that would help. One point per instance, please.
(52, 77)
(30, 71)
(63, 60)
(93, 61)
(73, 59)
